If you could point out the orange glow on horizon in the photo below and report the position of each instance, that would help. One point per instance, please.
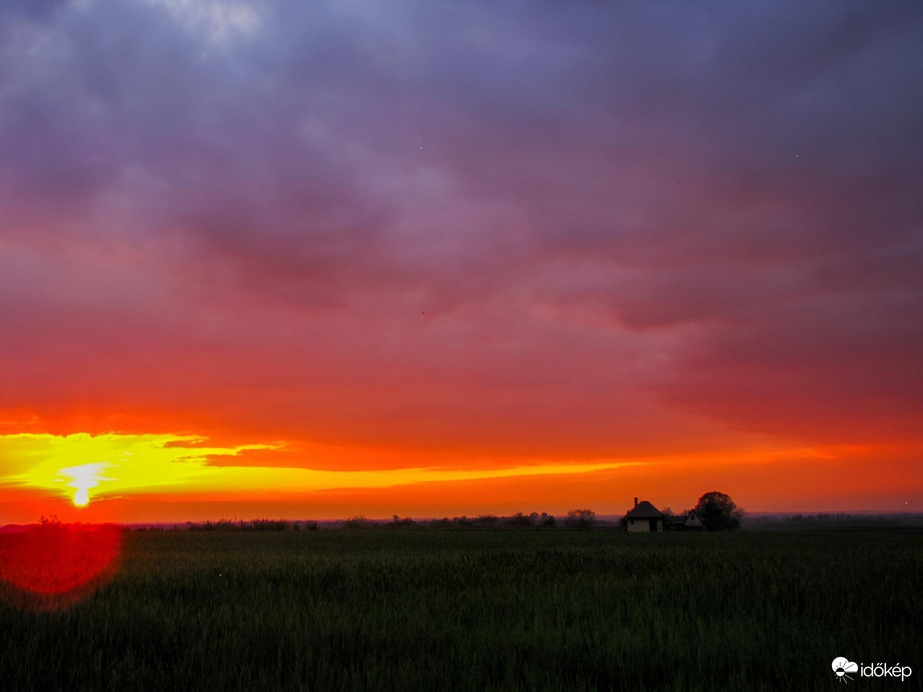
(167, 477)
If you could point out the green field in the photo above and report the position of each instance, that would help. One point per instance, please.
(474, 610)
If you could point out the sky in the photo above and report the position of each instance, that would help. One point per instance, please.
(313, 260)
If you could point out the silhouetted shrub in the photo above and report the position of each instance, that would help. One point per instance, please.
(580, 519)
(357, 522)
(398, 523)
(518, 521)
(543, 520)
(220, 525)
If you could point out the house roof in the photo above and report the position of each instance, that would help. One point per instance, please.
(645, 510)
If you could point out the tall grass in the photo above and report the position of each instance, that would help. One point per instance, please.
(479, 610)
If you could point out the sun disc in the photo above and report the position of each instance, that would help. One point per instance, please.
(82, 497)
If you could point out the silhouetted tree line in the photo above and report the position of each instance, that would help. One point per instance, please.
(716, 510)
(821, 516)
(253, 525)
(575, 519)
(482, 521)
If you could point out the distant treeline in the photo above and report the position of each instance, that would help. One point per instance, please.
(482, 521)
(575, 519)
(838, 520)
(252, 525)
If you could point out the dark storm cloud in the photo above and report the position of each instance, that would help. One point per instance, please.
(724, 194)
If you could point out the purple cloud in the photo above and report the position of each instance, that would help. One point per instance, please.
(534, 224)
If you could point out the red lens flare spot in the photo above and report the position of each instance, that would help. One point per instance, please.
(54, 564)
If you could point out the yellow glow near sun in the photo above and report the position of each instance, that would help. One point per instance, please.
(84, 467)
(111, 464)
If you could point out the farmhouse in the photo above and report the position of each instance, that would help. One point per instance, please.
(693, 522)
(690, 521)
(644, 517)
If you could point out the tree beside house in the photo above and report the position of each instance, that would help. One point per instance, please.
(715, 511)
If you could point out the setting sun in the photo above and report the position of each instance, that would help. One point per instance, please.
(82, 498)
(83, 478)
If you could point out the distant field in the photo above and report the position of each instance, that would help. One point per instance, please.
(478, 610)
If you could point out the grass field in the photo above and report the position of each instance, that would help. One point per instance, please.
(477, 610)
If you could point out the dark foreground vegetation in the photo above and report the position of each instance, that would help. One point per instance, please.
(478, 610)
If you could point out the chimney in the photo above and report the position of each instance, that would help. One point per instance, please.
(636, 502)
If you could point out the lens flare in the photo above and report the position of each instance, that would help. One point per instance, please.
(54, 565)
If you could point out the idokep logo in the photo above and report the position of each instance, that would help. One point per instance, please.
(842, 667)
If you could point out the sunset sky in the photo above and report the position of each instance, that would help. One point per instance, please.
(317, 259)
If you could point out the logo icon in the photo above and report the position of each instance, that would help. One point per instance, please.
(842, 666)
